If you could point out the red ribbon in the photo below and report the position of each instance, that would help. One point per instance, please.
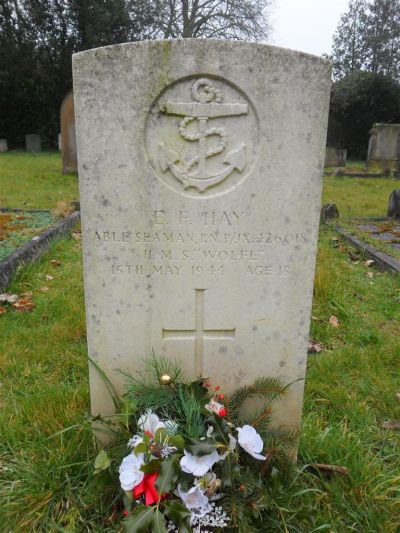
(148, 488)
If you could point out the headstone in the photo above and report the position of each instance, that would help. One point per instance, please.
(384, 147)
(200, 168)
(329, 212)
(59, 142)
(33, 143)
(68, 136)
(394, 204)
(335, 157)
(3, 145)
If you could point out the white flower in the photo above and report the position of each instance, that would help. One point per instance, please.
(195, 501)
(198, 465)
(251, 441)
(231, 447)
(129, 473)
(134, 441)
(149, 423)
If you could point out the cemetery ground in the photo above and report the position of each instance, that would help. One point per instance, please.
(351, 414)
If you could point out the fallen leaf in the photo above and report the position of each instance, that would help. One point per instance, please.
(9, 298)
(353, 256)
(49, 278)
(76, 235)
(27, 296)
(55, 262)
(369, 262)
(24, 305)
(44, 289)
(391, 424)
(314, 346)
(328, 469)
(370, 275)
(2, 310)
(334, 321)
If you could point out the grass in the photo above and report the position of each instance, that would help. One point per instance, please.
(47, 482)
(34, 181)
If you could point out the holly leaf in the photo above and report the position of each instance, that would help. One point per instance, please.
(168, 475)
(158, 524)
(200, 447)
(150, 467)
(198, 390)
(102, 462)
(221, 430)
(140, 521)
(178, 441)
(140, 448)
(161, 435)
(176, 511)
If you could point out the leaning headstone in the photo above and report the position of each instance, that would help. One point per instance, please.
(384, 147)
(68, 136)
(33, 143)
(200, 168)
(3, 145)
(394, 204)
(335, 157)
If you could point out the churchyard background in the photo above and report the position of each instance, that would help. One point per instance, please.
(46, 455)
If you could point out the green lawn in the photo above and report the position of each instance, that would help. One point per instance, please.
(47, 482)
(34, 181)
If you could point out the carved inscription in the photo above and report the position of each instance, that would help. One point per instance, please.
(220, 248)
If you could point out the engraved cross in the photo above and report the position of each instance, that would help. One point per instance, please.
(199, 334)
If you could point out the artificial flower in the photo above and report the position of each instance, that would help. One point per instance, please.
(215, 407)
(130, 474)
(134, 441)
(195, 501)
(149, 423)
(198, 465)
(251, 441)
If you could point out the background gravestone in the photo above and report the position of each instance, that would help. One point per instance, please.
(3, 145)
(68, 136)
(33, 143)
(200, 169)
(394, 204)
(335, 157)
(384, 147)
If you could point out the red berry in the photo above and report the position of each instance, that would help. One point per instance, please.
(217, 387)
(221, 397)
(222, 412)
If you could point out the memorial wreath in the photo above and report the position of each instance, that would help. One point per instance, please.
(195, 461)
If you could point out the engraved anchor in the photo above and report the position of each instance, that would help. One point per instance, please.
(207, 104)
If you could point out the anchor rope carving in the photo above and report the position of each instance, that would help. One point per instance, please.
(206, 105)
(200, 135)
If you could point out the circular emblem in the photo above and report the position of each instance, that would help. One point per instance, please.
(202, 136)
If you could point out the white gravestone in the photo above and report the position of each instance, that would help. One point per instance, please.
(200, 169)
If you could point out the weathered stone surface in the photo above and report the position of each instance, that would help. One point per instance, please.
(200, 169)
(384, 147)
(33, 143)
(68, 135)
(394, 204)
(335, 157)
(3, 145)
